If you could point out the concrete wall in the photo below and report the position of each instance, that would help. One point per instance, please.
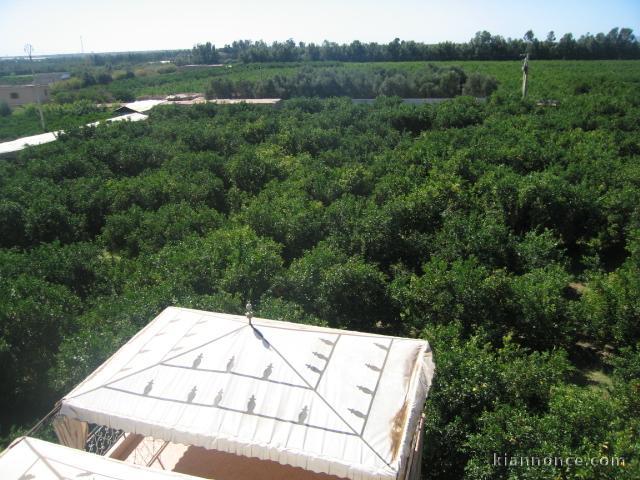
(16, 95)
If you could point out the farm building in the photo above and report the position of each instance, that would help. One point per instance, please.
(16, 95)
(228, 397)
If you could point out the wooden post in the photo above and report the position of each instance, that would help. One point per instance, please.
(525, 75)
(28, 49)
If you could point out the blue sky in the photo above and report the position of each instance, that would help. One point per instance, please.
(120, 25)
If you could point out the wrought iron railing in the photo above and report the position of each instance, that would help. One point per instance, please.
(101, 439)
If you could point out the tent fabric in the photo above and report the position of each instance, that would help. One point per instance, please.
(30, 458)
(70, 432)
(326, 400)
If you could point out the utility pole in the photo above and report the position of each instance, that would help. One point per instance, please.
(28, 49)
(525, 75)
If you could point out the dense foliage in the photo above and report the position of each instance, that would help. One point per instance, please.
(204, 54)
(548, 78)
(506, 233)
(13, 66)
(309, 81)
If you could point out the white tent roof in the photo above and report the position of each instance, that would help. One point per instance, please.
(330, 401)
(32, 459)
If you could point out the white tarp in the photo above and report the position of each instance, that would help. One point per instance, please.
(330, 401)
(32, 459)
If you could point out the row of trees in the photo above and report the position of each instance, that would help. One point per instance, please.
(75, 62)
(505, 233)
(619, 43)
(204, 54)
(430, 81)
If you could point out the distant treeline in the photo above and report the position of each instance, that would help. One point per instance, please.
(430, 81)
(619, 43)
(79, 62)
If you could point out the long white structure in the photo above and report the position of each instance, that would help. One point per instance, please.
(329, 401)
(24, 142)
(33, 140)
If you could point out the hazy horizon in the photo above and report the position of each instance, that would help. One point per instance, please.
(143, 25)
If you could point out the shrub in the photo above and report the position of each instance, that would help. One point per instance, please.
(167, 69)
(5, 111)
(478, 85)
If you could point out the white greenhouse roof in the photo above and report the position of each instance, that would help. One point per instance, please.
(30, 458)
(24, 142)
(252, 101)
(141, 106)
(131, 117)
(329, 401)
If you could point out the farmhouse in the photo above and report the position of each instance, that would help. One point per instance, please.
(16, 95)
(232, 397)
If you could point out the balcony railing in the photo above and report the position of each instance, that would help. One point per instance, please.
(101, 439)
